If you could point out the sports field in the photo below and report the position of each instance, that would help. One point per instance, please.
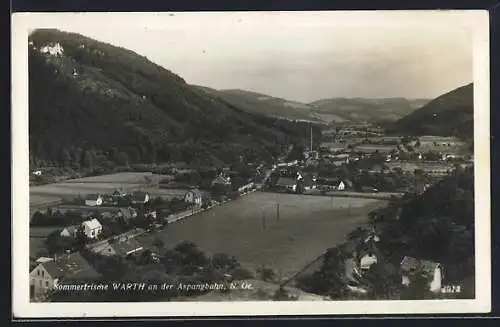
(249, 229)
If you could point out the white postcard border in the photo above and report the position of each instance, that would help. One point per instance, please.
(22, 308)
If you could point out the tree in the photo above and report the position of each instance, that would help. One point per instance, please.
(190, 254)
(267, 274)
(158, 243)
(223, 262)
(87, 159)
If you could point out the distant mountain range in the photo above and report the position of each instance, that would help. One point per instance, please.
(451, 114)
(325, 111)
(266, 105)
(363, 109)
(92, 102)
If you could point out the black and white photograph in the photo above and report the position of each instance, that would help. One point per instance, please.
(246, 163)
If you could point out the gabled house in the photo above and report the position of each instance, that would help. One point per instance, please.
(194, 197)
(367, 259)
(93, 200)
(139, 197)
(69, 231)
(49, 273)
(121, 248)
(430, 270)
(92, 228)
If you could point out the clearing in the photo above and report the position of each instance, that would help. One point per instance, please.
(248, 228)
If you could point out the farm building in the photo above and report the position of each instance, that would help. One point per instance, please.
(139, 197)
(92, 228)
(430, 270)
(336, 183)
(47, 274)
(194, 197)
(69, 231)
(93, 200)
(122, 248)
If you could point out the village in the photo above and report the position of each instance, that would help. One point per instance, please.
(355, 160)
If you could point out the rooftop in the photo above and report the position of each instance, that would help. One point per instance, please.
(92, 224)
(410, 265)
(70, 266)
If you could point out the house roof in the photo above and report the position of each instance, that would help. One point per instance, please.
(410, 264)
(196, 192)
(286, 181)
(92, 197)
(126, 212)
(124, 247)
(70, 266)
(92, 224)
(71, 229)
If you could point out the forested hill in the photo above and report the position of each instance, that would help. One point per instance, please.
(93, 102)
(451, 114)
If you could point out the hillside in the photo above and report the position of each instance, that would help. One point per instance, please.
(451, 114)
(437, 225)
(362, 109)
(270, 106)
(92, 103)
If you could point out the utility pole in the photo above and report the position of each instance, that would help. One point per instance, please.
(311, 138)
(277, 211)
(263, 220)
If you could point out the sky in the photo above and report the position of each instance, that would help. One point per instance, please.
(296, 56)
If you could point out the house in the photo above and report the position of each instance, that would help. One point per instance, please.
(47, 274)
(430, 270)
(151, 214)
(246, 188)
(92, 228)
(69, 231)
(93, 200)
(343, 184)
(367, 259)
(37, 172)
(118, 192)
(43, 259)
(139, 197)
(126, 214)
(222, 179)
(121, 248)
(287, 184)
(194, 197)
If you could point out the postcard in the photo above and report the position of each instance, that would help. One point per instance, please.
(250, 163)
